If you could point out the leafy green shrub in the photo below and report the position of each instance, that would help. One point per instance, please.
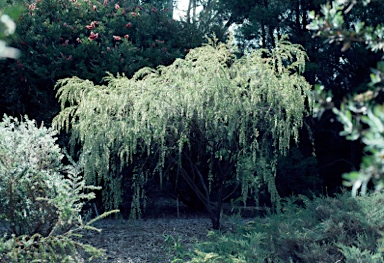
(321, 230)
(362, 114)
(86, 38)
(40, 198)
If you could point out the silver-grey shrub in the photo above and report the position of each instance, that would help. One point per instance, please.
(40, 198)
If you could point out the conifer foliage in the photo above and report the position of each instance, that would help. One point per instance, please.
(324, 229)
(211, 121)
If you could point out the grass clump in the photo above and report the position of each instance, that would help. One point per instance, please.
(325, 229)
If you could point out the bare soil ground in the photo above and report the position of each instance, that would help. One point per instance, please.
(128, 241)
(151, 240)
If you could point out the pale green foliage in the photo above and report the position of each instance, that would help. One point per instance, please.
(40, 198)
(244, 110)
(29, 160)
(353, 254)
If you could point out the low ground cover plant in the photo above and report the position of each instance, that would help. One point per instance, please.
(325, 229)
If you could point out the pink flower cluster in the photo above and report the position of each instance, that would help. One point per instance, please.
(32, 7)
(93, 36)
(91, 26)
(118, 38)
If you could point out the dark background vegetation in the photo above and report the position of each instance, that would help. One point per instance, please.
(53, 39)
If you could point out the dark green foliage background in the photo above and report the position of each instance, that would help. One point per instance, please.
(342, 73)
(54, 43)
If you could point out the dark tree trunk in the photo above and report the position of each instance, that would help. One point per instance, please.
(202, 193)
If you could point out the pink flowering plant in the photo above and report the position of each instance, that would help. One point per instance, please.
(85, 38)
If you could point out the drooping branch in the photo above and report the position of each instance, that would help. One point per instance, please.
(235, 114)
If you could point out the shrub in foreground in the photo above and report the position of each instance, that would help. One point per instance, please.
(40, 198)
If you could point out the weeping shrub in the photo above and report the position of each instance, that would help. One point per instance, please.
(210, 123)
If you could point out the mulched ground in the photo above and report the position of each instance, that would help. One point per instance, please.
(128, 241)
